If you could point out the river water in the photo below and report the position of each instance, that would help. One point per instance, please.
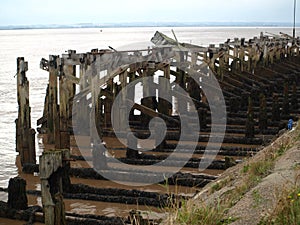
(37, 44)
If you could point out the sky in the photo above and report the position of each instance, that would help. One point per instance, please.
(36, 12)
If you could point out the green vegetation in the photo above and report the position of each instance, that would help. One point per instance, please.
(287, 210)
(251, 174)
(219, 185)
(216, 214)
(257, 198)
(203, 215)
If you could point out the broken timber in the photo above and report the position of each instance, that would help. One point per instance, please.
(25, 135)
(53, 182)
(104, 73)
(250, 73)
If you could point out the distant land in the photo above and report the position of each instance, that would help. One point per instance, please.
(149, 24)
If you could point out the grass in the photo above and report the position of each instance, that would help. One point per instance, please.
(219, 185)
(203, 215)
(216, 214)
(257, 198)
(251, 174)
(287, 210)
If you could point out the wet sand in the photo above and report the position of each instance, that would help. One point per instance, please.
(105, 208)
(4, 221)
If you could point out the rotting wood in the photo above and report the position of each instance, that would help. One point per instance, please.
(52, 124)
(25, 135)
(242, 67)
(17, 198)
(53, 183)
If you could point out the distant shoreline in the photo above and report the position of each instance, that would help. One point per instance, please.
(137, 25)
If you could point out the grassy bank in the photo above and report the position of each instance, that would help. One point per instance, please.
(246, 185)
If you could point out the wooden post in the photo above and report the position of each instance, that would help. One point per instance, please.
(53, 134)
(122, 114)
(108, 104)
(25, 135)
(275, 108)
(278, 48)
(181, 81)
(148, 99)
(242, 57)
(131, 91)
(286, 102)
(263, 114)
(99, 157)
(202, 114)
(131, 153)
(222, 63)
(64, 109)
(70, 71)
(271, 55)
(226, 56)
(83, 108)
(17, 198)
(265, 55)
(83, 76)
(164, 105)
(250, 120)
(95, 90)
(43, 120)
(52, 164)
(294, 100)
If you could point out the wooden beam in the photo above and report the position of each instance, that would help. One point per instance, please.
(152, 113)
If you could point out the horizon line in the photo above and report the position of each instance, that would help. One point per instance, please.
(148, 24)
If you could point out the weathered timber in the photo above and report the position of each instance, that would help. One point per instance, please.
(53, 134)
(17, 198)
(183, 179)
(263, 117)
(99, 157)
(29, 214)
(25, 135)
(249, 133)
(243, 68)
(34, 214)
(53, 182)
(131, 151)
(64, 110)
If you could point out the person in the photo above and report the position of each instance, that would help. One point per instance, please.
(290, 124)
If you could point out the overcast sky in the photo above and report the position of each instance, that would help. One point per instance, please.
(25, 12)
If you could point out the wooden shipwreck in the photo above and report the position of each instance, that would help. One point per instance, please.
(259, 79)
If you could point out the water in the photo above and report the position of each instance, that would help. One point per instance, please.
(37, 44)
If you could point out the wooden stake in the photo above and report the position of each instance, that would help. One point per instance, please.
(52, 166)
(25, 136)
(53, 115)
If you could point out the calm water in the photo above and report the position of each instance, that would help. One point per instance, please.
(37, 44)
